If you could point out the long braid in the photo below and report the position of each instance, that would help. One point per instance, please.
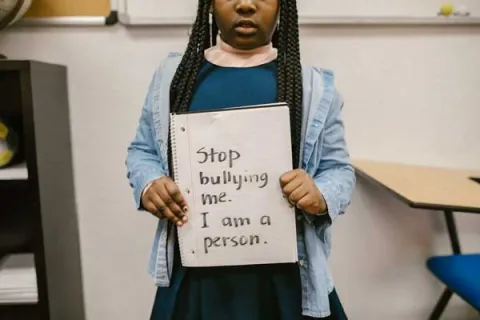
(295, 71)
(191, 60)
(203, 40)
(289, 85)
(289, 66)
(281, 39)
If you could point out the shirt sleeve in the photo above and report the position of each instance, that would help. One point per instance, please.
(143, 162)
(335, 177)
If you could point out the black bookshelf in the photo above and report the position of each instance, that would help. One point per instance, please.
(37, 199)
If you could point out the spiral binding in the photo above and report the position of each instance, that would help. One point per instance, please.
(174, 165)
(173, 149)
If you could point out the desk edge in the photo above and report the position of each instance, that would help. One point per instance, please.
(413, 204)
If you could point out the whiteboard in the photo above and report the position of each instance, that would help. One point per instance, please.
(182, 12)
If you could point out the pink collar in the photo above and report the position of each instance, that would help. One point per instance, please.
(225, 55)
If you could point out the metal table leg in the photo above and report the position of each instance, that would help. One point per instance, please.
(452, 231)
(453, 235)
(441, 304)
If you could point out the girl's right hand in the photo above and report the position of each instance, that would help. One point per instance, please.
(163, 199)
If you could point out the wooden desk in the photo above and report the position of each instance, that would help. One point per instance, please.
(431, 188)
(426, 187)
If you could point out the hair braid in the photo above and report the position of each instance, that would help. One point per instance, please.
(293, 94)
(203, 40)
(290, 72)
(191, 60)
(296, 77)
(281, 41)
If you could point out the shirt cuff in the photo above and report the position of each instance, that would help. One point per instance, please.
(328, 192)
(312, 218)
(143, 183)
(147, 187)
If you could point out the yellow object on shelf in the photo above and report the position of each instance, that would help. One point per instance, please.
(3, 131)
(446, 9)
(8, 145)
(5, 156)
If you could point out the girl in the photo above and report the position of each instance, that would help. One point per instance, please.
(245, 52)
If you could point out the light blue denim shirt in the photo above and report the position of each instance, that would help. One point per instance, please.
(324, 157)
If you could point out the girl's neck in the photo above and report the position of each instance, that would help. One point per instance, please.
(225, 55)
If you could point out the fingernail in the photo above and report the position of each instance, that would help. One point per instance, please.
(184, 219)
(179, 223)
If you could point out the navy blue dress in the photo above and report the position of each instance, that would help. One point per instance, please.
(259, 292)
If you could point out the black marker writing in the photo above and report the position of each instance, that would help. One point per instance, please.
(218, 156)
(227, 177)
(204, 214)
(208, 199)
(235, 222)
(266, 221)
(234, 241)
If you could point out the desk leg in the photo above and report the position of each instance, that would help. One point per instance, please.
(441, 304)
(447, 294)
(452, 231)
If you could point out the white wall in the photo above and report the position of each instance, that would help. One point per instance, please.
(411, 96)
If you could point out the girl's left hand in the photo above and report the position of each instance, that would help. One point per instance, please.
(301, 191)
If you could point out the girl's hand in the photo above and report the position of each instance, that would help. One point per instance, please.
(163, 199)
(301, 191)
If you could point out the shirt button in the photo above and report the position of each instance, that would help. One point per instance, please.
(302, 262)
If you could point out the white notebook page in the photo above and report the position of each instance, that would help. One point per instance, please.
(228, 165)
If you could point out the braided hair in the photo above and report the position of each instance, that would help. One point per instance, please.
(289, 72)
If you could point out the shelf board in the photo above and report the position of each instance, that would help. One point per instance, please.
(18, 280)
(16, 172)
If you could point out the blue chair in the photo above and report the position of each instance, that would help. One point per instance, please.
(461, 274)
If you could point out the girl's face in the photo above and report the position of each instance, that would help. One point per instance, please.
(246, 24)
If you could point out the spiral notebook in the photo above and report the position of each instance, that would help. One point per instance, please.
(227, 163)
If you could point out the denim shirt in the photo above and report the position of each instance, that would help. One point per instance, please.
(324, 156)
